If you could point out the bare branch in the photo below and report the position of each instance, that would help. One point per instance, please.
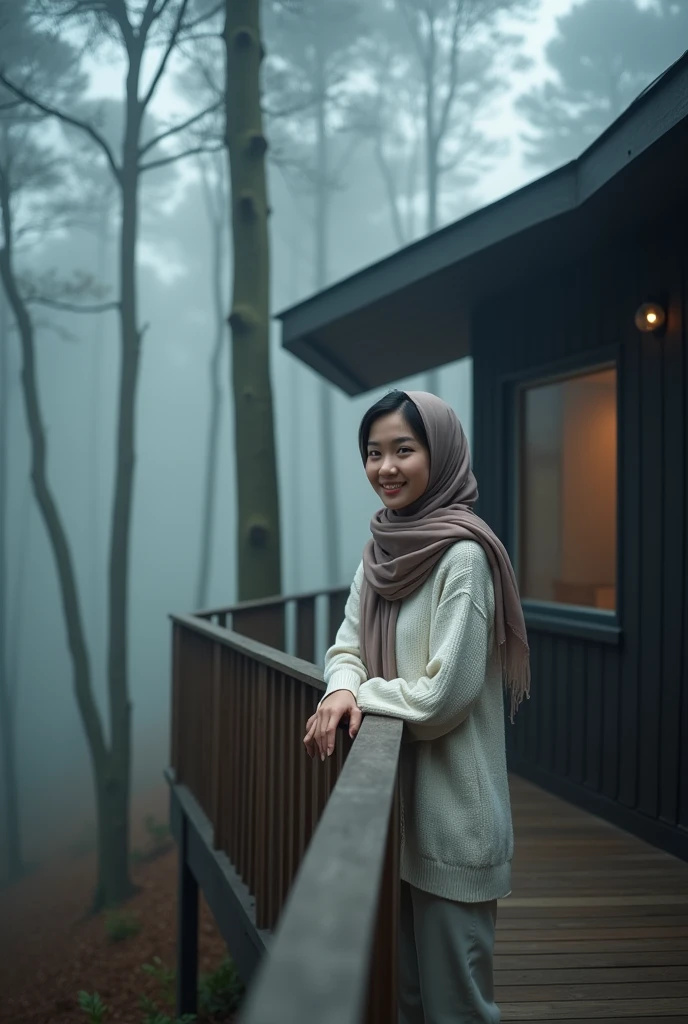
(413, 32)
(171, 43)
(160, 10)
(117, 9)
(390, 184)
(453, 78)
(149, 17)
(178, 128)
(196, 37)
(202, 18)
(296, 108)
(71, 307)
(179, 156)
(86, 6)
(66, 119)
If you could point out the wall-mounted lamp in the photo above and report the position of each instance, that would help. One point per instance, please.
(649, 317)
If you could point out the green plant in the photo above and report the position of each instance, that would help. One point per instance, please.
(221, 991)
(120, 925)
(164, 976)
(155, 1017)
(93, 1005)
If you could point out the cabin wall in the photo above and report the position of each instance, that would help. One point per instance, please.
(607, 722)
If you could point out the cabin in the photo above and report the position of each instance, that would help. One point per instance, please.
(570, 296)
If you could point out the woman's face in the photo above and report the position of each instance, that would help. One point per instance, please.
(398, 465)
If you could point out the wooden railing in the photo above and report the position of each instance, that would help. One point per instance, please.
(239, 710)
(287, 622)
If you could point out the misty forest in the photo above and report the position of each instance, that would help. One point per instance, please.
(173, 173)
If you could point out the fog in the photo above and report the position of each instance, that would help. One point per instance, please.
(78, 359)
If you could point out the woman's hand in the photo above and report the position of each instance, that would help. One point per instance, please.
(321, 727)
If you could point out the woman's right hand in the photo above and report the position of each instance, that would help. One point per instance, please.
(321, 728)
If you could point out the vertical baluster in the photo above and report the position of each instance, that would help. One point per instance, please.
(175, 742)
(252, 763)
(293, 786)
(302, 789)
(243, 746)
(226, 751)
(271, 845)
(262, 782)
(316, 780)
(234, 687)
(335, 605)
(217, 748)
(283, 777)
(305, 628)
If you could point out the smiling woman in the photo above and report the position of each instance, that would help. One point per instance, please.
(432, 628)
(394, 448)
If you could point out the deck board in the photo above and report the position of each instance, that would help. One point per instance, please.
(596, 928)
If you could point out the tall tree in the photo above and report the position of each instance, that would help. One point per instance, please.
(434, 67)
(8, 754)
(144, 32)
(314, 45)
(27, 171)
(457, 46)
(215, 198)
(259, 557)
(203, 76)
(602, 55)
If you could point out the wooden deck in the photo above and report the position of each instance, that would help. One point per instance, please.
(597, 926)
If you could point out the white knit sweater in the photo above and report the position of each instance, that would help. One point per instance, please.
(457, 839)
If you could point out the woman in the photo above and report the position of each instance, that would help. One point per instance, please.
(433, 626)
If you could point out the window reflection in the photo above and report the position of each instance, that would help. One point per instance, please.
(568, 491)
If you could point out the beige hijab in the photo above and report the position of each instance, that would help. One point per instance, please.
(406, 546)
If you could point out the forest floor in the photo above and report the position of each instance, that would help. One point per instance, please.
(51, 948)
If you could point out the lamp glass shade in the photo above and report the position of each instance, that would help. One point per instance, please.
(650, 317)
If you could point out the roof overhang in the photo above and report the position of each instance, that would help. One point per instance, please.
(412, 311)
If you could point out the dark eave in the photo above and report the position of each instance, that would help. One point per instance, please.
(412, 311)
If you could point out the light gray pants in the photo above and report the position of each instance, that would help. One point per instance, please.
(445, 960)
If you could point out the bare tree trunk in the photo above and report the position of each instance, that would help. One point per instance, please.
(214, 208)
(96, 622)
(432, 378)
(258, 539)
(391, 190)
(326, 396)
(47, 505)
(113, 788)
(12, 825)
(294, 446)
(111, 755)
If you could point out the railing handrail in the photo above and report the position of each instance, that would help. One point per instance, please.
(318, 963)
(270, 602)
(270, 656)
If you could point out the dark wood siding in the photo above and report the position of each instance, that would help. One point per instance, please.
(607, 722)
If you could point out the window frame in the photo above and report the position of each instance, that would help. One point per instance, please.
(549, 616)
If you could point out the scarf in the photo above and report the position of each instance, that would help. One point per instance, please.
(406, 545)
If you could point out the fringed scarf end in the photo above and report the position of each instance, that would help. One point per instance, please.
(516, 670)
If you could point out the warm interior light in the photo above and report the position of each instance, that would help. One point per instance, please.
(650, 317)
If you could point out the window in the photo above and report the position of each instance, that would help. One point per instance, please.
(568, 491)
